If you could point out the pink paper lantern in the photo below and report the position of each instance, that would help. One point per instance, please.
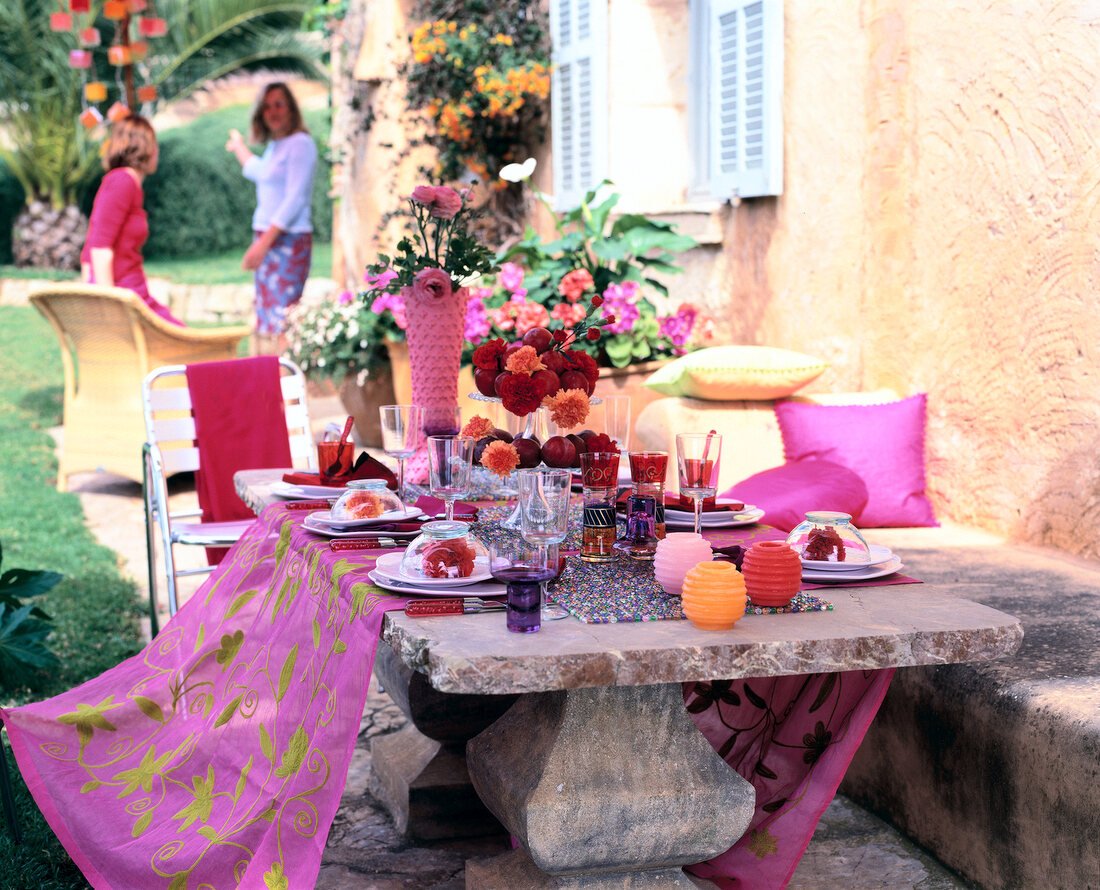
(136, 5)
(80, 58)
(152, 27)
(117, 112)
(90, 37)
(61, 21)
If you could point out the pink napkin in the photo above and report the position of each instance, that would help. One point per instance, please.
(432, 505)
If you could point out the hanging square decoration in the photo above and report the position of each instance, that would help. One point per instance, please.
(91, 118)
(61, 21)
(117, 112)
(114, 9)
(80, 5)
(119, 55)
(136, 5)
(95, 91)
(147, 93)
(80, 58)
(152, 27)
(90, 37)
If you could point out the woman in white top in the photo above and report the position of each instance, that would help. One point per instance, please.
(281, 250)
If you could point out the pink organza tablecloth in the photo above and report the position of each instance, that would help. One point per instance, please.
(218, 755)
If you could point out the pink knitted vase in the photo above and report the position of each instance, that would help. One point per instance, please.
(773, 573)
(434, 335)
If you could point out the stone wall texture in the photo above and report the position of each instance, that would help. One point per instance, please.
(937, 232)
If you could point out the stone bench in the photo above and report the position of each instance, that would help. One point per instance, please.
(1008, 751)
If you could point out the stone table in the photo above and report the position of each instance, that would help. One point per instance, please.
(597, 768)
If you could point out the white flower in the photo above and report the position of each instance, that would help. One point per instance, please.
(518, 172)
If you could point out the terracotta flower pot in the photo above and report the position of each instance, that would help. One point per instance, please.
(714, 596)
(773, 573)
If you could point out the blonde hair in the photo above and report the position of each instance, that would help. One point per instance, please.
(131, 144)
(260, 131)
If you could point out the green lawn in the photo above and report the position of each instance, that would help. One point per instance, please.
(95, 608)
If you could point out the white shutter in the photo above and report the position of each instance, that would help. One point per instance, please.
(578, 97)
(745, 89)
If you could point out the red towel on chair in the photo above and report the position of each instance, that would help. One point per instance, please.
(240, 422)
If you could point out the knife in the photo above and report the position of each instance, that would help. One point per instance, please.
(366, 544)
(468, 606)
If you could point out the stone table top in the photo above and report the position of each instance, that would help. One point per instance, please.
(869, 628)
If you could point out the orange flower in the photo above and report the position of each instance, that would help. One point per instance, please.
(500, 457)
(568, 407)
(524, 360)
(575, 283)
(477, 427)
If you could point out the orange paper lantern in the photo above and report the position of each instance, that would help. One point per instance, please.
(95, 91)
(61, 21)
(117, 112)
(119, 55)
(91, 118)
(114, 9)
(138, 50)
(147, 93)
(714, 595)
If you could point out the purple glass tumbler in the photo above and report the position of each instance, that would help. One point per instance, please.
(524, 568)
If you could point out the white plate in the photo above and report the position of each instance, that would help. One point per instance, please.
(480, 588)
(304, 492)
(748, 516)
(877, 571)
(324, 517)
(879, 555)
(319, 528)
(389, 566)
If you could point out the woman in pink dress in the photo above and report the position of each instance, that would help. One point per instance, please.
(118, 227)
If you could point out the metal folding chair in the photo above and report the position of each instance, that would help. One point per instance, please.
(172, 447)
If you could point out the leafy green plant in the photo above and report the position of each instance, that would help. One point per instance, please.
(24, 627)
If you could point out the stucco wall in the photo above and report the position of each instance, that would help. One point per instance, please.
(938, 229)
(938, 232)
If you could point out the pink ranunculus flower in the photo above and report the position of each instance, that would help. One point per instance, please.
(346, 296)
(432, 282)
(442, 202)
(379, 281)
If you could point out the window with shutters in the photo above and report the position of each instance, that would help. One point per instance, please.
(737, 90)
(578, 97)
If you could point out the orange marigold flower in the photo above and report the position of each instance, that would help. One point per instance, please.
(524, 360)
(568, 407)
(477, 427)
(500, 458)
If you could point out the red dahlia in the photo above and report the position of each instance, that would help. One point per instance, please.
(488, 354)
(519, 395)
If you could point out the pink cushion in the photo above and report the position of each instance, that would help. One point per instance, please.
(787, 493)
(884, 444)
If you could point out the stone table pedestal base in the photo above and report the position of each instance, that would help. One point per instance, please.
(602, 786)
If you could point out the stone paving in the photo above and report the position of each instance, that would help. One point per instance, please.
(851, 848)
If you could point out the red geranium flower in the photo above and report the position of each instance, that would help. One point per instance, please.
(488, 354)
(519, 395)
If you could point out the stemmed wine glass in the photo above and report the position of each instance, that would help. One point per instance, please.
(544, 519)
(450, 459)
(697, 461)
(400, 431)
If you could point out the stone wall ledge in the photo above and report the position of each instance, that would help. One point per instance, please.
(995, 767)
(194, 303)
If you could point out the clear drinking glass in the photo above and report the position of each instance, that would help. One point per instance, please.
(400, 431)
(525, 568)
(697, 461)
(544, 519)
(450, 459)
(616, 419)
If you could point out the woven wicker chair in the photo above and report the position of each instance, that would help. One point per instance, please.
(109, 341)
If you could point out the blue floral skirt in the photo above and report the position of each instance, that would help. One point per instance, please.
(280, 278)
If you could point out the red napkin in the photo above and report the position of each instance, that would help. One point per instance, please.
(366, 467)
(241, 425)
(432, 505)
(675, 502)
